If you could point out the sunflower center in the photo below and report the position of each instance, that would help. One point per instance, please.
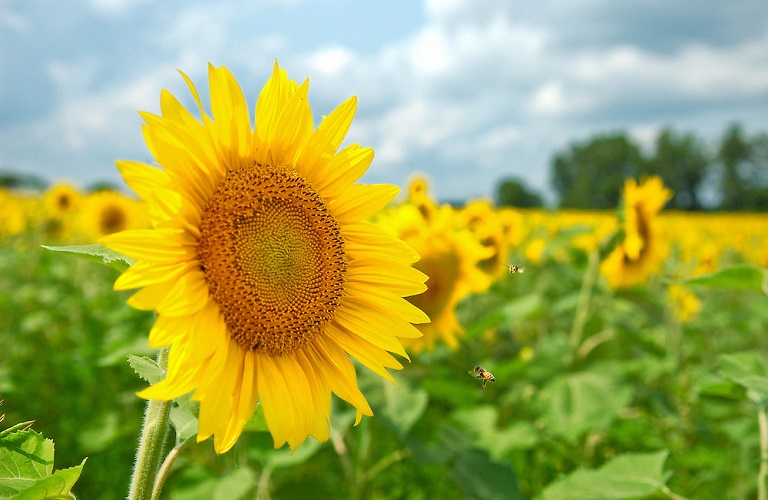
(273, 258)
(443, 271)
(112, 219)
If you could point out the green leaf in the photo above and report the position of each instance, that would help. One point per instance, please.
(235, 485)
(97, 253)
(403, 405)
(26, 468)
(146, 368)
(749, 371)
(56, 486)
(185, 424)
(739, 277)
(25, 457)
(632, 475)
(257, 422)
(482, 478)
(582, 402)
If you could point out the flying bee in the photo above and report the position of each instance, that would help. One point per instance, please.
(515, 269)
(483, 374)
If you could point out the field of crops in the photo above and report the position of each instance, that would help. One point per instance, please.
(628, 351)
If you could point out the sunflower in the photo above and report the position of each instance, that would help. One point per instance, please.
(106, 212)
(685, 304)
(260, 264)
(420, 197)
(449, 256)
(61, 203)
(641, 251)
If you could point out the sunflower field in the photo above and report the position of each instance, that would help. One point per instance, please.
(627, 350)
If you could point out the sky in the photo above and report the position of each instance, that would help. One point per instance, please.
(466, 92)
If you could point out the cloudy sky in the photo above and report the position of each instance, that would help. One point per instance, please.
(466, 91)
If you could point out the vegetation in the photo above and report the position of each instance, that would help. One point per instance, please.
(655, 390)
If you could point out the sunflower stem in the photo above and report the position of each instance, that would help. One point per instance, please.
(153, 433)
(165, 468)
(582, 305)
(762, 474)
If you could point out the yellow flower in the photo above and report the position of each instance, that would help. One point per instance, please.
(61, 199)
(106, 212)
(642, 250)
(685, 304)
(13, 216)
(260, 264)
(61, 203)
(485, 223)
(419, 196)
(449, 256)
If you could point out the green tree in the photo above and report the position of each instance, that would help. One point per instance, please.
(744, 170)
(512, 192)
(591, 174)
(682, 161)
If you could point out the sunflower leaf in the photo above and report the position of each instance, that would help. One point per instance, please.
(146, 368)
(632, 475)
(96, 253)
(185, 423)
(739, 277)
(26, 468)
(749, 371)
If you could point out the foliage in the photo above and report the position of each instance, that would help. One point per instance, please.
(26, 466)
(731, 175)
(512, 192)
(594, 386)
(591, 174)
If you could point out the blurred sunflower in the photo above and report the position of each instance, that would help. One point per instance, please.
(685, 304)
(106, 212)
(61, 203)
(449, 256)
(485, 222)
(641, 251)
(260, 263)
(13, 220)
(420, 197)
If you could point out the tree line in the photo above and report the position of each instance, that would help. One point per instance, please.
(731, 175)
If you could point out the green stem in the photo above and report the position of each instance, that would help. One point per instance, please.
(153, 433)
(165, 468)
(582, 306)
(762, 474)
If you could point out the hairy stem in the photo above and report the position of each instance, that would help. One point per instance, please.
(762, 474)
(153, 433)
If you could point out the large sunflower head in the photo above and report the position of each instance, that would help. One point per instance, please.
(641, 251)
(264, 273)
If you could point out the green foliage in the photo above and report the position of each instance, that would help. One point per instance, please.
(512, 192)
(26, 466)
(635, 406)
(97, 253)
(632, 475)
(590, 174)
(743, 176)
(737, 277)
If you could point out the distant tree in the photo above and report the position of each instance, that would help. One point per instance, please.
(592, 174)
(14, 180)
(512, 192)
(101, 186)
(744, 170)
(682, 161)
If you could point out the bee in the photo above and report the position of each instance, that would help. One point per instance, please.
(515, 269)
(483, 374)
